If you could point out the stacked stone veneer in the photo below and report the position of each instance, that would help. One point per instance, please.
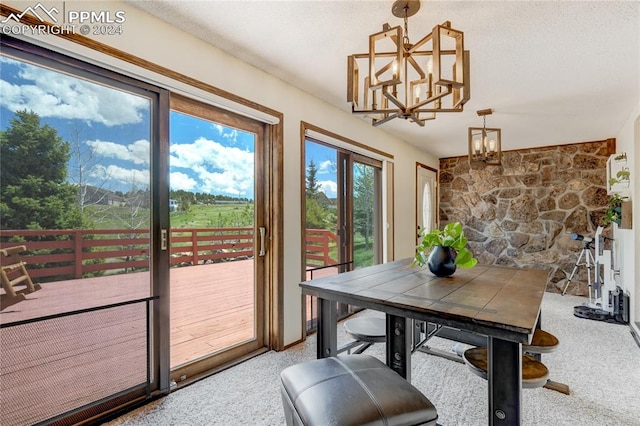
(523, 212)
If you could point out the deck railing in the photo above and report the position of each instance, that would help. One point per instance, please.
(64, 254)
(318, 247)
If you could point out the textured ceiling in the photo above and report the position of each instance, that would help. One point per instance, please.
(554, 72)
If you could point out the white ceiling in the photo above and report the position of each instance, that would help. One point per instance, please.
(554, 72)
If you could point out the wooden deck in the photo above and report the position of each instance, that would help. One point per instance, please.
(102, 352)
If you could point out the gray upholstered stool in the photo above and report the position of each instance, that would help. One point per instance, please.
(351, 390)
(365, 331)
(534, 372)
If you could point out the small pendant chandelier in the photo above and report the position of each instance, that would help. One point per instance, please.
(409, 81)
(485, 143)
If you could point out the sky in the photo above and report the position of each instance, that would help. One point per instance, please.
(325, 160)
(109, 133)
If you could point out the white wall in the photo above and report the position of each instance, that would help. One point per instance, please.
(627, 241)
(151, 39)
(635, 289)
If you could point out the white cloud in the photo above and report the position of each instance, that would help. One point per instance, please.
(231, 136)
(136, 152)
(181, 181)
(327, 166)
(329, 187)
(53, 94)
(130, 178)
(218, 168)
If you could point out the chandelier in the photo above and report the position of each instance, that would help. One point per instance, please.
(485, 143)
(410, 81)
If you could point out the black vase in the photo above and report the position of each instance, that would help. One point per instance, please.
(441, 261)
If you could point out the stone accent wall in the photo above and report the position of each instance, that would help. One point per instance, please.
(523, 212)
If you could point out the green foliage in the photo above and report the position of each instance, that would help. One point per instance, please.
(33, 190)
(320, 211)
(451, 236)
(320, 216)
(364, 201)
(362, 254)
(238, 215)
(312, 186)
(622, 176)
(613, 213)
(621, 156)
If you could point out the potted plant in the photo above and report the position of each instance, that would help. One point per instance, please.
(443, 250)
(613, 213)
(621, 157)
(623, 176)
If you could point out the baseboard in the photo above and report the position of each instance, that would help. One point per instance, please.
(634, 328)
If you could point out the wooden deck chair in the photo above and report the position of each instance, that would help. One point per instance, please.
(14, 271)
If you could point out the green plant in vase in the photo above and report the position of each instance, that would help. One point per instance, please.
(613, 213)
(623, 176)
(620, 157)
(443, 250)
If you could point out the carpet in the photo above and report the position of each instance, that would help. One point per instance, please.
(599, 361)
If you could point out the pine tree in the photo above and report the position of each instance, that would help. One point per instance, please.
(312, 186)
(34, 193)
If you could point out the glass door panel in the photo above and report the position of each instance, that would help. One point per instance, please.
(75, 200)
(342, 215)
(216, 301)
(366, 209)
(321, 200)
(323, 254)
(426, 199)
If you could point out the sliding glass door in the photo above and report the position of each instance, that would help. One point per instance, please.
(141, 220)
(342, 214)
(366, 199)
(76, 200)
(218, 237)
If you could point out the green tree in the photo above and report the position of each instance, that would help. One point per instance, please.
(319, 213)
(316, 217)
(364, 201)
(312, 186)
(34, 193)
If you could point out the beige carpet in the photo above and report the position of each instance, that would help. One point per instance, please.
(599, 361)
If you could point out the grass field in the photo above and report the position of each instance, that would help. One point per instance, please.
(203, 216)
(214, 216)
(198, 216)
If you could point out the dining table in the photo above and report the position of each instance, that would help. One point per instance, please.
(502, 303)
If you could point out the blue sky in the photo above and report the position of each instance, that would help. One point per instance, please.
(325, 161)
(210, 158)
(109, 133)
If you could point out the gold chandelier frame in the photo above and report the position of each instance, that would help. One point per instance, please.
(409, 81)
(485, 143)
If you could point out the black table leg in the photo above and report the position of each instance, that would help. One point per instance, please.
(399, 345)
(327, 334)
(505, 382)
(538, 326)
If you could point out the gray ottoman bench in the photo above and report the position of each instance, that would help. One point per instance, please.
(351, 390)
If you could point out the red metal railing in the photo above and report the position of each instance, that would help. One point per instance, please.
(78, 253)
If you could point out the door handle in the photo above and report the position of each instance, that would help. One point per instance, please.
(164, 240)
(263, 231)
